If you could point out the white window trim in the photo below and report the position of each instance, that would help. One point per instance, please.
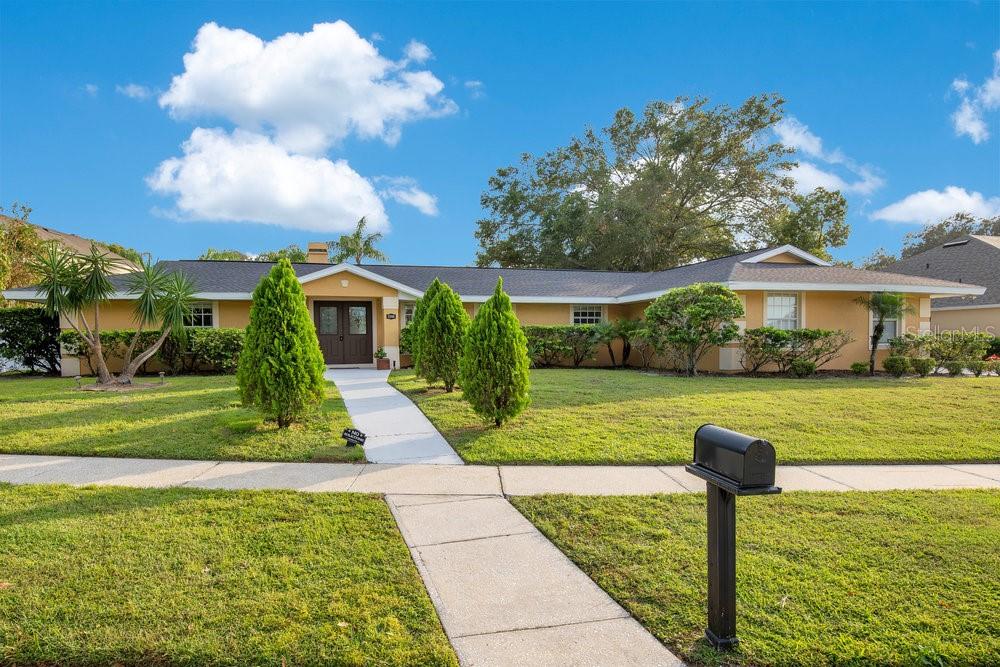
(214, 305)
(800, 310)
(574, 306)
(900, 329)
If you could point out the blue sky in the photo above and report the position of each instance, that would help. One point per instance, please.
(899, 103)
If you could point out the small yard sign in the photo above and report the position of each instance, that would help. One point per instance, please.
(353, 437)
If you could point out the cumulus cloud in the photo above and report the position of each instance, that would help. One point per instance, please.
(856, 179)
(246, 177)
(976, 101)
(406, 191)
(134, 91)
(930, 205)
(309, 89)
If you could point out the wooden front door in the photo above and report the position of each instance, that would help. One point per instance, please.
(344, 329)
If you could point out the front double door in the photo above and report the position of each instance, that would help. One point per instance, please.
(344, 329)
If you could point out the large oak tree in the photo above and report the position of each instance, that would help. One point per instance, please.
(682, 181)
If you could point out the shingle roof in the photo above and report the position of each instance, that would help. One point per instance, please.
(236, 278)
(971, 260)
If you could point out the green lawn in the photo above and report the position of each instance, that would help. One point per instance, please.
(112, 576)
(188, 418)
(901, 578)
(591, 416)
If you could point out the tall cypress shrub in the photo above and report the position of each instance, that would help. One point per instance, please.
(442, 334)
(494, 368)
(281, 367)
(419, 311)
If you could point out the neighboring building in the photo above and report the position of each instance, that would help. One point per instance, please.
(358, 309)
(76, 244)
(971, 260)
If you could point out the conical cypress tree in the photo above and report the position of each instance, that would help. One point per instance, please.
(442, 333)
(494, 367)
(281, 366)
(419, 310)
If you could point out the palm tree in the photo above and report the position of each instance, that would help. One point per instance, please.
(358, 246)
(76, 285)
(882, 306)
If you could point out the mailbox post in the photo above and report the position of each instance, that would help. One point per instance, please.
(732, 464)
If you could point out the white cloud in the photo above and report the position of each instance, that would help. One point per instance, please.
(91, 89)
(246, 177)
(134, 91)
(931, 205)
(309, 89)
(417, 52)
(406, 191)
(968, 120)
(477, 89)
(856, 179)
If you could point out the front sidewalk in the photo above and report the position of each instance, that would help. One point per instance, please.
(420, 479)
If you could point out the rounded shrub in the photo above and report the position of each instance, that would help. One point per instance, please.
(281, 367)
(977, 366)
(896, 365)
(954, 368)
(494, 368)
(859, 368)
(993, 367)
(923, 366)
(802, 368)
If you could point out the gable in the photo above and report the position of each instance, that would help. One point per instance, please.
(344, 283)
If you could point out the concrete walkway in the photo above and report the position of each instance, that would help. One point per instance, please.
(398, 432)
(508, 596)
(418, 479)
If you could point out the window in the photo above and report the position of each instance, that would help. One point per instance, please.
(891, 327)
(783, 311)
(201, 315)
(588, 314)
(407, 314)
(358, 318)
(328, 320)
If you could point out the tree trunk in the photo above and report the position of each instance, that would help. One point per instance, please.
(125, 377)
(131, 347)
(876, 337)
(626, 352)
(611, 353)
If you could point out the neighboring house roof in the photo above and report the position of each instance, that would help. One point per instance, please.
(972, 260)
(76, 243)
(235, 279)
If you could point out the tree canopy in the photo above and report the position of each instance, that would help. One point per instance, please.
(683, 181)
(293, 253)
(357, 246)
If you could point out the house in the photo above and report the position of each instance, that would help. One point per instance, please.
(76, 244)
(969, 260)
(358, 309)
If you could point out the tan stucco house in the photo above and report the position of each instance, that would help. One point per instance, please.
(358, 309)
(973, 260)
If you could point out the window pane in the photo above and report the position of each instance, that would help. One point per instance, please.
(783, 311)
(889, 331)
(587, 314)
(201, 315)
(328, 319)
(407, 314)
(359, 320)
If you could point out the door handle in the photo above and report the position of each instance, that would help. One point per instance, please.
(341, 338)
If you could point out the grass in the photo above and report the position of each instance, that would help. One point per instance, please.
(589, 416)
(112, 576)
(188, 418)
(901, 578)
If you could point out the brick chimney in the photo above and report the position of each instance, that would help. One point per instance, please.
(318, 253)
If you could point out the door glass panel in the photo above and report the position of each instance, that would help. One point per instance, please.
(328, 319)
(359, 320)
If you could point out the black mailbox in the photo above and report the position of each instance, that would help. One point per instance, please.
(353, 437)
(733, 465)
(740, 464)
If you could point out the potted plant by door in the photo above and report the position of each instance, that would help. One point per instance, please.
(381, 359)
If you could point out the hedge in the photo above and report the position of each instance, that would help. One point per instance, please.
(944, 346)
(200, 349)
(30, 338)
(549, 345)
(785, 347)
